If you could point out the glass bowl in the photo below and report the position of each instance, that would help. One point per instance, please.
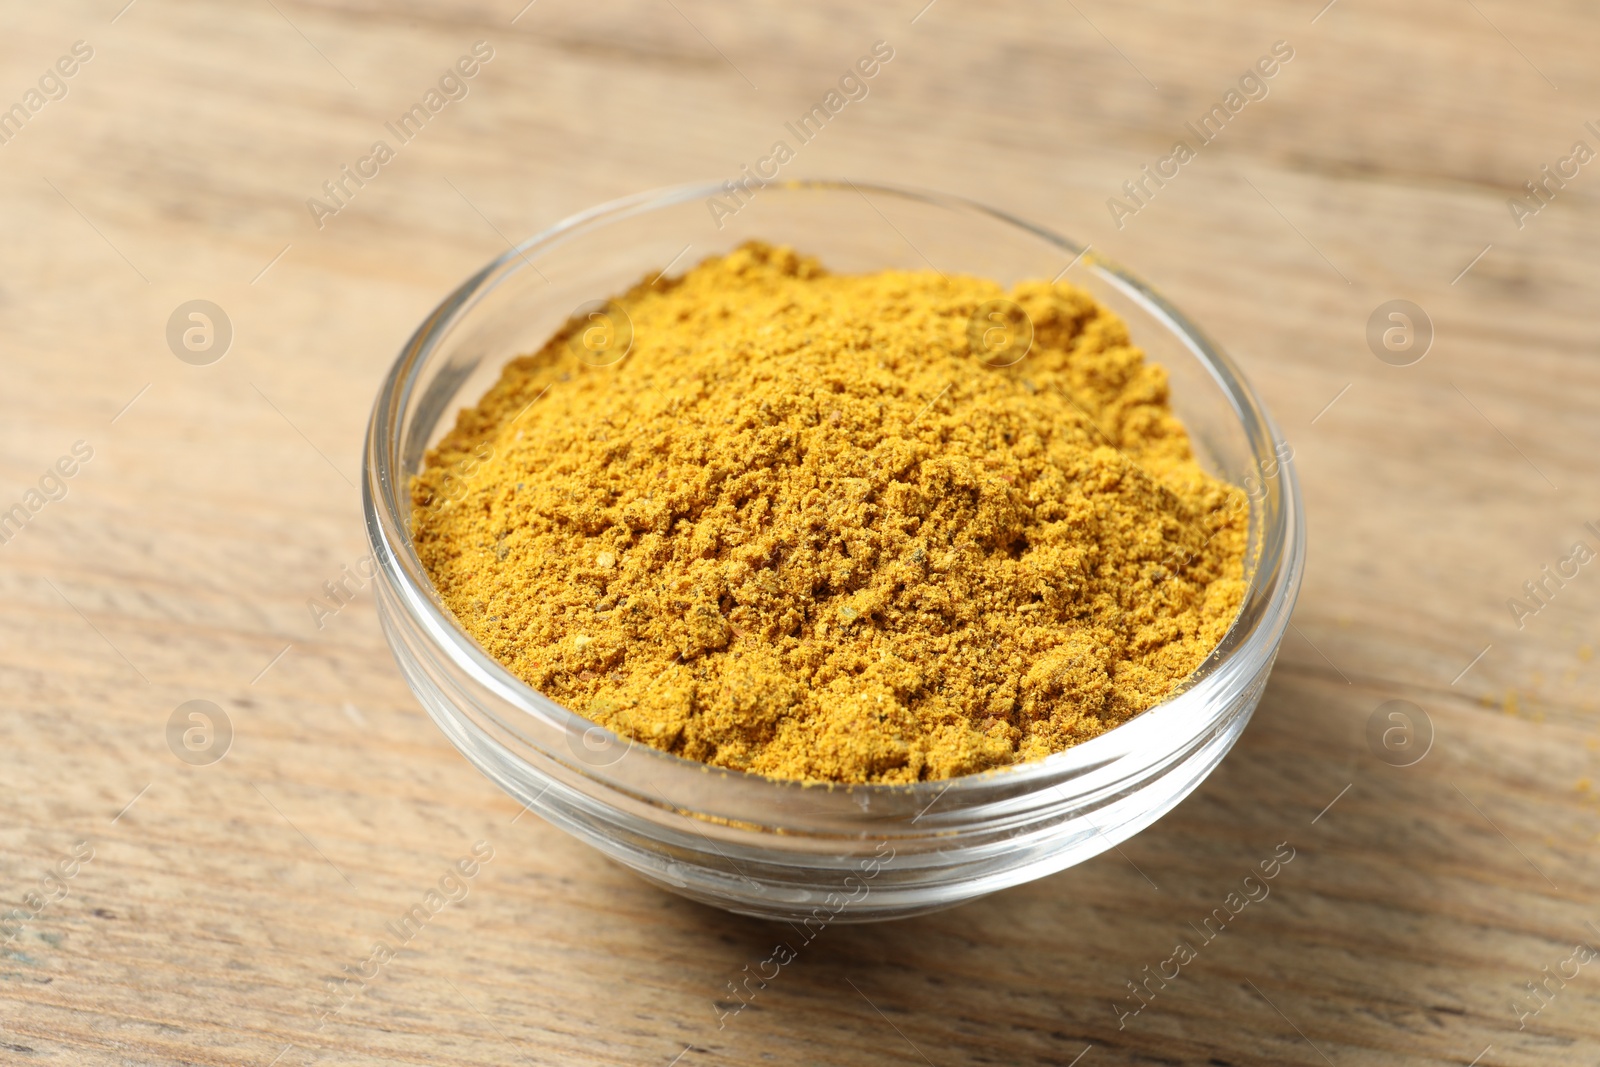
(814, 854)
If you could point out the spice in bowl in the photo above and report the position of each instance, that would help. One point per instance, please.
(842, 528)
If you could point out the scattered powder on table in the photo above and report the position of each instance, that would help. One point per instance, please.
(803, 529)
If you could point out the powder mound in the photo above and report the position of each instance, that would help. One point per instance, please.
(802, 530)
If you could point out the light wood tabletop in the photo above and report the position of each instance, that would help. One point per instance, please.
(183, 499)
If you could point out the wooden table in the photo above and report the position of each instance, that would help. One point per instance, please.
(222, 897)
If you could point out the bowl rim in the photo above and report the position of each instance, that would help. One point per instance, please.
(1278, 557)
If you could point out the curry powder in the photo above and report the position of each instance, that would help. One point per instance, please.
(803, 529)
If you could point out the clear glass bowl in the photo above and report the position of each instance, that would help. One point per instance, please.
(779, 849)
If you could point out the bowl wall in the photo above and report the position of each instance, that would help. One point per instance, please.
(807, 853)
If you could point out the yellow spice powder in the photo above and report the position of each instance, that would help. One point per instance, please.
(803, 529)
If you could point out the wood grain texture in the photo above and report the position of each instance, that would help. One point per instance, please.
(178, 566)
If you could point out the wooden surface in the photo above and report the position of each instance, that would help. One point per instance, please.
(178, 566)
